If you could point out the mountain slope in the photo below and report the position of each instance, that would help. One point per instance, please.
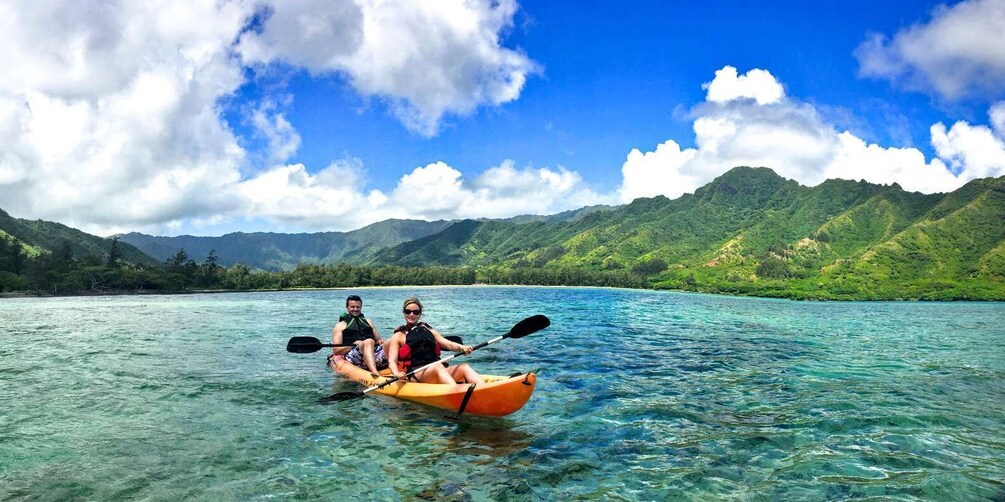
(748, 231)
(42, 235)
(951, 241)
(751, 231)
(276, 251)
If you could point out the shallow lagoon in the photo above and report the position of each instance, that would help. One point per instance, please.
(642, 396)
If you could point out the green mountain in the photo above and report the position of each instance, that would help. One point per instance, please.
(38, 236)
(748, 232)
(277, 251)
(752, 232)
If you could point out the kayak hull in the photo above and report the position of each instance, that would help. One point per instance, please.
(498, 396)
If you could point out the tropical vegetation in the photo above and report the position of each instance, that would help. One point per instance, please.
(748, 232)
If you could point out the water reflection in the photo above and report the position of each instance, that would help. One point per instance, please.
(497, 437)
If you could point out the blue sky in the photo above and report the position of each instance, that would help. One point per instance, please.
(311, 115)
(620, 75)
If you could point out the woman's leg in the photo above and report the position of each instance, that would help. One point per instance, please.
(465, 372)
(435, 373)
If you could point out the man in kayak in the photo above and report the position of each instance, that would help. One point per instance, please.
(416, 344)
(354, 328)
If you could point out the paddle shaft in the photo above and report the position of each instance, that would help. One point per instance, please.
(451, 338)
(445, 359)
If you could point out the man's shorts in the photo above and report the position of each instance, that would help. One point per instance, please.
(356, 357)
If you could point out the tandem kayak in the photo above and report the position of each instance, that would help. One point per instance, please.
(498, 396)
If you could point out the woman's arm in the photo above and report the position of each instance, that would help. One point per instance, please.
(447, 344)
(393, 346)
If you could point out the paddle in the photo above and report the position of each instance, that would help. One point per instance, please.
(309, 344)
(521, 329)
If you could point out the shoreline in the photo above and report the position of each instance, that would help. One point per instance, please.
(146, 292)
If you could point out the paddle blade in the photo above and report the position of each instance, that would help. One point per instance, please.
(304, 345)
(341, 396)
(527, 326)
(455, 339)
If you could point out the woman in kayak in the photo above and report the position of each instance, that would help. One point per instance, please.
(416, 344)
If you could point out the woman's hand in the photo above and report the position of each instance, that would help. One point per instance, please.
(466, 349)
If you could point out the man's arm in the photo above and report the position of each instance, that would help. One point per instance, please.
(337, 339)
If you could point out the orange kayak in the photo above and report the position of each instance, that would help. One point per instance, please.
(497, 397)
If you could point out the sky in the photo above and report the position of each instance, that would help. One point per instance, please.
(206, 117)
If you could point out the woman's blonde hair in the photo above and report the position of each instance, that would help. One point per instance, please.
(411, 300)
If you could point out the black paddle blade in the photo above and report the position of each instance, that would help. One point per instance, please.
(304, 345)
(341, 396)
(527, 326)
(455, 339)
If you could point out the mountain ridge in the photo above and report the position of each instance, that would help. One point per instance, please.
(749, 231)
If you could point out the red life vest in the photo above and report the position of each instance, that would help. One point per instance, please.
(420, 347)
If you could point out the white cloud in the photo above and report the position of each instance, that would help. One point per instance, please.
(290, 194)
(111, 121)
(426, 59)
(438, 191)
(756, 84)
(110, 117)
(972, 151)
(335, 197)
(960, 52)
(657, 173)
(855, 159)
(282, 138)
(733, 128)
(997, 115)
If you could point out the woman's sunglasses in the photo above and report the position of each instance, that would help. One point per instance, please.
(410, 311)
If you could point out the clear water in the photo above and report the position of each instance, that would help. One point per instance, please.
(642, 396)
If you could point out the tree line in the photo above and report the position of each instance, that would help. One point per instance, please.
(59, 272)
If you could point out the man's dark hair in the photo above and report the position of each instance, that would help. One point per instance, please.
(353, 298)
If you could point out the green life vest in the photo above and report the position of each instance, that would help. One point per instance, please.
(356, 328)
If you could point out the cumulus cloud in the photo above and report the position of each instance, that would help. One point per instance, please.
(997, 114)
(290, 194)
(742, 125)
(112, 120)
(972, 151)
(756, 84)
(439, 191)
(425, 59)
(657, 173)
(958, 53)
(109, 119)
(271, 123)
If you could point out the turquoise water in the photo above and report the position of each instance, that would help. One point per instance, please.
(642, 396)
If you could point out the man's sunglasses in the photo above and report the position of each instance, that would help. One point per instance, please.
(410, 311)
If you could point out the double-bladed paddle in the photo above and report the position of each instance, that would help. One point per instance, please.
(521, 329)
(309, 344)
